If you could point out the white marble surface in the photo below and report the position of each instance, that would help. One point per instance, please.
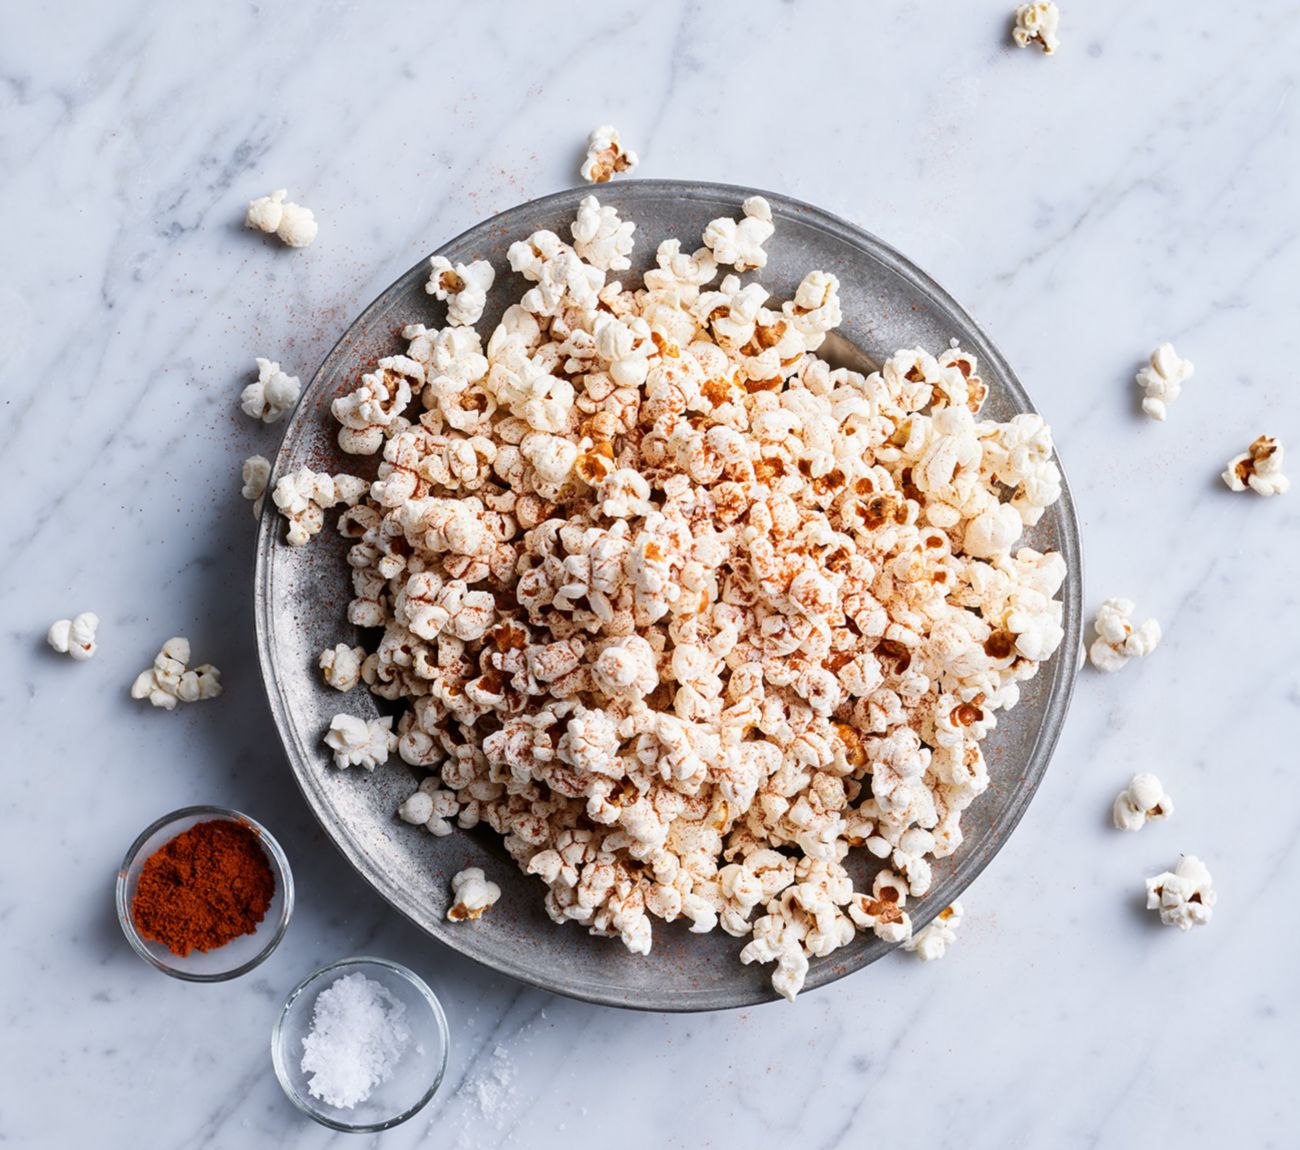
(1141, 185)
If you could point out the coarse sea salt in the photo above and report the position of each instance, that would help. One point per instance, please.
(357, 1037)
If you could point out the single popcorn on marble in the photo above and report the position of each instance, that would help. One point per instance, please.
(682, 612)
(1162, 379)
(74, 637)
(358, 742)
(932, 941)
(272, 395)
(1185, 896)
(472, 894)
(171, 681)
(1037, 23)
(606, 156)
(1258, 469)
(293, 224)
(1117, 639)
(464, 287)
(1142, 801)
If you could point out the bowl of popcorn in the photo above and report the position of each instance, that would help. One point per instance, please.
(628, 573)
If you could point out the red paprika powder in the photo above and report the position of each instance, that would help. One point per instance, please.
(209, 884)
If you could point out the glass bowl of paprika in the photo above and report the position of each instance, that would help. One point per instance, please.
(204, 894)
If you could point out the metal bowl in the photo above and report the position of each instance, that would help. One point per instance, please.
(301, 596)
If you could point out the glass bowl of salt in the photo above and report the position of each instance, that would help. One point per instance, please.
(361, 1045)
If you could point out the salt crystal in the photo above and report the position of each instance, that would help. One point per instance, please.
(357, 1037)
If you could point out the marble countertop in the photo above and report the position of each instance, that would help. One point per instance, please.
(1139, 186)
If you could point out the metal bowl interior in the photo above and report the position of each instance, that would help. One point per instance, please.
(301, 597)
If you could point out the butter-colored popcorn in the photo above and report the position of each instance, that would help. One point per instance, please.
(1185, 896)
(75, 636)
(932, 942)
(303, 497)
(170, 681)
(340, 666)
(472, 894)
(1117, 639)
(358, 742)
(1038, 23)
(1141, 801)
(606, 156)
(1259, 469)
(294, 225)
(601, 238)
(684, 614)
(739, 243)
(255, 474)
(464, 287)
(272, 394)
(1162, 380)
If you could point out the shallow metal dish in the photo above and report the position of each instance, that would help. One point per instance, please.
(302, 593)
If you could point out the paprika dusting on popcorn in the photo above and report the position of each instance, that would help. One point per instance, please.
(203, 888)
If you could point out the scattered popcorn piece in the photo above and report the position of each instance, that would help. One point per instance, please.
(170, 680)
(1162, 380)
(255, 474)
(472, 894)
(1184, 896)
(1117, 640)
(1037, 23)
(1260, 469)
(75, 636)
(601, 238)
(1142, 800)
(740, 242)
(933, 941)
(293, 224)
(464, 287)
(303, 497)
(358, 742)
(606, 156)
(272, 395)
(341, 666)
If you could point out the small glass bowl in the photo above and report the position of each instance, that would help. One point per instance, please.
(239, 955)
(418, 1073)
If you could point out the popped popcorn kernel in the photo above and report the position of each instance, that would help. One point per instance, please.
(303, 497)
(740, 242)
(272, 395)
(1259, 468)
(606, 156)
(1143, 800)
(358, 742)
(171, 681)
(74, 637)
(932, 942)
(472, 894)
(340, 666)
(1037, 23)
(1185, 896)
(255, 474)
(294, 225)
(463, 287)
(1162, 380)
(1117, 639)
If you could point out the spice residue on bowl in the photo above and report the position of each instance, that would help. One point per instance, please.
(203, 888)
(358, 1036)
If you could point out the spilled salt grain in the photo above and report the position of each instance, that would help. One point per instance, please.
(357, 1037)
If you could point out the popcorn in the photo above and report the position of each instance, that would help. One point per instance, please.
(170, 681)
(303, 497)
(272, 395)
(933, 941)
(680, 612)
(358, 742)
(255, 474)
(606, 156)
(601, 238)
(75, 636)
(1260, 469)
(464, 287)
(1184, 896)
(740, 242)
(341, 666)
(1117, 640)
(293, 224)
(1142, 800)
(1037, 23)
(1162, 380)
(472, 894)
